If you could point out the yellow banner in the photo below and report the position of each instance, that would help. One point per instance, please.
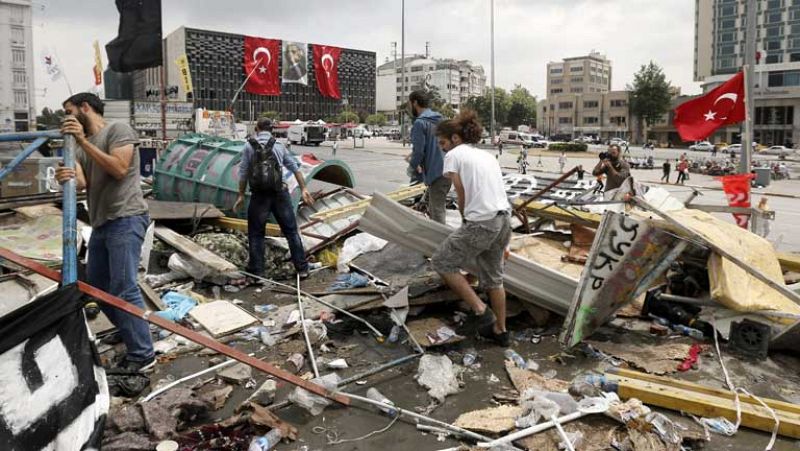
(185, 74)
(98, 64)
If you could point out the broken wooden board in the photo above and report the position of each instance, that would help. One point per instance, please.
(545, 252)
(421, 328)
(661, 358)
(164, 210)
(360, 206)
(222, 318)
(493, 420)
(194, 250)
(525, 379)
(227, 222)
(150, 295)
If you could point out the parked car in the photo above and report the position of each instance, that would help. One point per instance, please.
(736, 148)
(702, 146)
(781, 151)
(618, 141)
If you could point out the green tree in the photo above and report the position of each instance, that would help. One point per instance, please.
(377, 119)
(347, 116)
(274, 115)
(522, 109)
(482, 105)
(650, 95)
(49, 119)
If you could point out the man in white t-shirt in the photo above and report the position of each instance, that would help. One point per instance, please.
(480, 243)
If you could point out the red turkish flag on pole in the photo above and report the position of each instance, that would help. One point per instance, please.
(326, 69)
(261, 66)
(698, 118)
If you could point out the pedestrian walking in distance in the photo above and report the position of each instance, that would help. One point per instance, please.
(562, 161)
(666, 168)
(486, 228)
(427, 155)
(263, 162)
(335, 147)
(107, 166)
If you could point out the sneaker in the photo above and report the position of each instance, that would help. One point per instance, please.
(502, 339)
(303, 273)
(475, 323)
(136, 366)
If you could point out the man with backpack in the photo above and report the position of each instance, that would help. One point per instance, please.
(263, 161)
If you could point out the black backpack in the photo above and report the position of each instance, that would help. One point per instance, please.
(266, 172)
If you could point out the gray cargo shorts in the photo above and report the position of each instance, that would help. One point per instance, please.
(478, 245)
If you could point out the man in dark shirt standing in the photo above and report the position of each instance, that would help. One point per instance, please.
(427, 155)
(107, 166)
(615, 168)
(667, 168)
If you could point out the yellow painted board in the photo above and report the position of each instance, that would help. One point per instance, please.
(361, 205)
(241, 225)
(697, 388)
(673, 398)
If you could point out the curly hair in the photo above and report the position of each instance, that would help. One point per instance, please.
(465, 125)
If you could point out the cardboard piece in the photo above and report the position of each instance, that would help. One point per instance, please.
(222, 318)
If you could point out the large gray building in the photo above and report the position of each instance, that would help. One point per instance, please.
(17, 105)
(719, 53)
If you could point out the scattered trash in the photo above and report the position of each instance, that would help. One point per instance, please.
(314, 404)
(550, 374)
(297, 360)
(236, 374)
(178, 306)
(355, 246)
(349, 281)
(493, 379)
(375, 395)
(265, 394)
(438, 375)
(719, 425)
(231, 288)
(338, 364)
(470, 357)
(493, 420)
(167, 445)
(266, 442)
(266, 337)
(265, 308)
(514, 357)
(691, 360)
(441, 335)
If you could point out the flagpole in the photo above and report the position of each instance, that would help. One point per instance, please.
(749, 64)
(238, 91)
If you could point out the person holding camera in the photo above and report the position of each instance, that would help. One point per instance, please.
(615, 168)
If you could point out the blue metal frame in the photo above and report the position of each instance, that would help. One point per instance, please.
(69, 255)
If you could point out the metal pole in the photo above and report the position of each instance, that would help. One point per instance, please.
(749, 64)
(21, 157)
(492, 67)
(163, 91)
(403, 70)
(69, 252)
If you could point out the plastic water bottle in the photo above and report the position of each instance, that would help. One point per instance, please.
(516, 358)
(688, 331)
(266, 442)
(375, 395)
(470, 357)
(394, 335)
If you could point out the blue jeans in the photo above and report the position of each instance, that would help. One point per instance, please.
(115, 250)
(279, 205)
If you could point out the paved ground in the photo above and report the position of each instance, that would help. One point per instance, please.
(379, 166)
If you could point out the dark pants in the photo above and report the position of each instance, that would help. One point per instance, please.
(115, 250)
(262, 206)
(665, 176)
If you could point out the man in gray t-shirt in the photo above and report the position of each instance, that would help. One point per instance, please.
(107, 167)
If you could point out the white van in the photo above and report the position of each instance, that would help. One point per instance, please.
(306, 134)
(512, 137)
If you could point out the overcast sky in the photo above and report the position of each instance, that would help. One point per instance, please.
(528, 33)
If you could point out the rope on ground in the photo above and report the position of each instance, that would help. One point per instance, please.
(736, 391)
(332, 435)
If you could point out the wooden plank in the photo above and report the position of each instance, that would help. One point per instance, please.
(557, 213)
(789, 262)
(673, 398)
(222, 318)
(160, 210)
(151, 295)
(227, 222)
(697, 388)
(361, 205)
(194, 250)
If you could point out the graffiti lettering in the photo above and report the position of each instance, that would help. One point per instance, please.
(607, 262)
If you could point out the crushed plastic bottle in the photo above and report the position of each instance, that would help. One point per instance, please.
(266, 442)
(516, 358)
(394, 335)
(375, 395)
(470, 357)
(688, 331)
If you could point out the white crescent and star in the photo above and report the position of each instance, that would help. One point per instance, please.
(329, 58)
(712, 115)
(265, 51)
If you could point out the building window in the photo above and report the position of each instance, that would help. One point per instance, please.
(556, 81)
(17, 35)
(591, 104)
(773, 45)
(565, 106)
(774, 4)
(20, 78)
(794, 43)
(728, 23)
(556, 91)
(727, 11)
(773, 32)
(727, 50)
(556, 70)
(619, 103)
(590, 120)
(565, 120)
(774, 17)
(21, 98)
(774, 58)
(784, 78)
(619, 121)
(727, 37)
(577, 80)
(576, 90)
(576, 69)
(18, 56)
(794, 57)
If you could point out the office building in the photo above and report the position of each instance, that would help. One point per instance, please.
(454, 80)
(720, 27)
(579, 75)
(215, 62)
(17, 101)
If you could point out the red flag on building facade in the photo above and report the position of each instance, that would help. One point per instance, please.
(261, 66)
(737, 189)
(326, 69)
(698, 118)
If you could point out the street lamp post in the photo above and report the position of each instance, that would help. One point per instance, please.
(403, 70)
(749, 64)
(492, 66)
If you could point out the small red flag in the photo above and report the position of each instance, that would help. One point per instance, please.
(737, 189)
(698, 118)
(261, 65)
(326, 69)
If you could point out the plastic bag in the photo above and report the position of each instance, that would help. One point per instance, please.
(438, 375)
(193, 269)
(315, 404)
(178, 306)
(357, 245)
